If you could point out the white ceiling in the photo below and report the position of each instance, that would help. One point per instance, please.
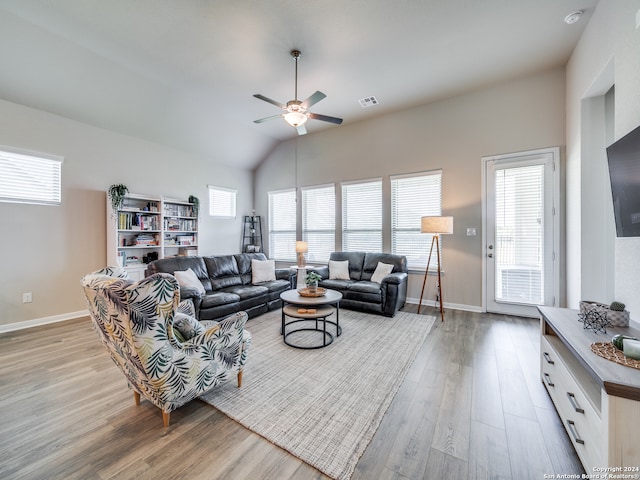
(182, 72)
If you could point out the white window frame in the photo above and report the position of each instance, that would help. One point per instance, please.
(319, 252)
(30, 177)
(372, 228)
(282, 240)
(222, 196)
(412, 206)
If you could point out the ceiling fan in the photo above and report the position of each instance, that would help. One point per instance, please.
(296, 112)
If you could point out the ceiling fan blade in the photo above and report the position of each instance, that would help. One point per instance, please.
(269, 100)
(301, 130)
(313, 99)
(261, 120)
(325, 118)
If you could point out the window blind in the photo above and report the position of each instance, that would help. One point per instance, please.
(30, 178)
(222, 202)
(362, 216)
(519, 236)
(412, 197)
(319, 221)
(282, 225)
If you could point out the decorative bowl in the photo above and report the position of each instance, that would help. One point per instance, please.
(316, 292)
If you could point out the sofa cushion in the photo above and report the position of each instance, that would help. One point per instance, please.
(371, 261)
(340, 285)
(250, 295)
(364, 291)
(215, 299)
(223, 271)
(382, 270)
(175, 264)
(356, 262)
(339, 270)
(188, 279)
(243, 260)
(263, 271)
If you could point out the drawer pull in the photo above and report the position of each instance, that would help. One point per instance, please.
(548, 358)
(547, 378)
(574, 432)
(574, 403)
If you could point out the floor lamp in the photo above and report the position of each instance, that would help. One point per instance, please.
(436, 226)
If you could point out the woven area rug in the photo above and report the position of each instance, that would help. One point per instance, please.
(323, 405)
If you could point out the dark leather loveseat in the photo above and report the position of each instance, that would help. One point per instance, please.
(227, 284)
(359, 292)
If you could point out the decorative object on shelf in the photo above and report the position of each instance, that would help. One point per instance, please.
(436, 226)
(610, 352)
(617, 315)
(594, 316)
(617, 340)
(117, 192)
(301, 249)
(312, 280)
(196, 204)
(312, 292)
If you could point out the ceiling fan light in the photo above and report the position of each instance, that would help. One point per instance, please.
(295, 118)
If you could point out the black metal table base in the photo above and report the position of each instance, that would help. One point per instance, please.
(327, 337)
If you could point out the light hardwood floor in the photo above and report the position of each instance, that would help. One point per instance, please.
(472, 407)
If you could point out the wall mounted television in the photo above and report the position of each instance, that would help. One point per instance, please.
(624, 172)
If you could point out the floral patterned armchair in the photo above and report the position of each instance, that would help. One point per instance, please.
(167, 356)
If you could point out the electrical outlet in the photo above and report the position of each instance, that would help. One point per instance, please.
(27, 297)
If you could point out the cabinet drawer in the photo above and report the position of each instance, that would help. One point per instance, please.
(576, 410)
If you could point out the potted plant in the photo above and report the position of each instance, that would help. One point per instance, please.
(312, 280)
(117, 192)
(196, 204)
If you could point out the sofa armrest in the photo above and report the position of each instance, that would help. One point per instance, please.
(322, 271)
(191, 293)
(396, 278)
(285, 274)
(394, 292)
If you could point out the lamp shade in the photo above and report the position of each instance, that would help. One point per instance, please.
(439, 225)
(302, 247)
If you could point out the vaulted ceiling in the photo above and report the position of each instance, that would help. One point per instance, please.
(182, 73)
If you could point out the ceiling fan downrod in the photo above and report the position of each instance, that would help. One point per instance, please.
(296, 55)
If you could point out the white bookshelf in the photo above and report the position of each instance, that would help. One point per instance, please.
(147, 227)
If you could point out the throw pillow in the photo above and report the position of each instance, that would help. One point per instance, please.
(263, 271)
(186, 326)
(339, 270)
(382, 270)
(188, 278)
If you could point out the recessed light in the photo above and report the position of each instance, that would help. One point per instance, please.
(573, 17)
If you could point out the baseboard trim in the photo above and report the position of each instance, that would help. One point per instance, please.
(452, 306)
(37, 322)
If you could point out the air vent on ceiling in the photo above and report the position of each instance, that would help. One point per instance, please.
(368, 102)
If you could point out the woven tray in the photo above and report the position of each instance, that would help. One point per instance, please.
(610, 352)
(306, 292)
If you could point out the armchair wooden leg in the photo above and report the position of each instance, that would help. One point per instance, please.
(239, 378)
(136, 397)
(165, 418)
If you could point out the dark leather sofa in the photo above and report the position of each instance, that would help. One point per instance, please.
(359, 292)
(227, 283)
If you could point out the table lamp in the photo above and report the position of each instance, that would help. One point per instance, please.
(301, 249)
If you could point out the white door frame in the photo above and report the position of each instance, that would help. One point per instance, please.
(555, 224)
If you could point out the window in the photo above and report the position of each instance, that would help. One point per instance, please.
(282, 225)
(222, 202)
(412, 197)
(27, 177)
(319, 221)
(362, 216)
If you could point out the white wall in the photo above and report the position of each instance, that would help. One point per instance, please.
(606, 54)
(454, 135)
(47, 249)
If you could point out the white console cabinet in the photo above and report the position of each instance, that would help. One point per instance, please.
(597, 400)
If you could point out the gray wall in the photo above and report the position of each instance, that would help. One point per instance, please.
(606, 55)
(453, 135)
(47, 249)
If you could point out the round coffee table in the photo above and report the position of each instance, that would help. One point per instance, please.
(321, 307)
